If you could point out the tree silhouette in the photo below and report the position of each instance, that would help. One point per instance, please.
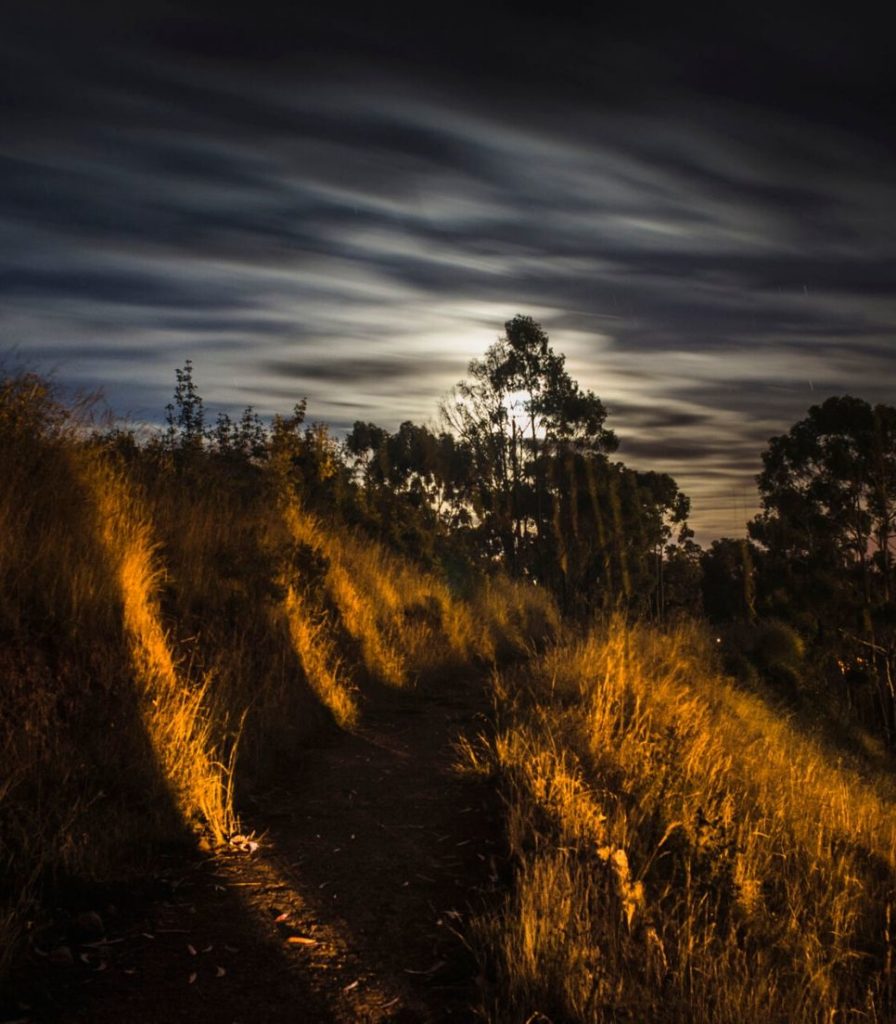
(518, 411)
(828, 491)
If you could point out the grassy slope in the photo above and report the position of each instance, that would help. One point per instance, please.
(682, 851)
(170, 635)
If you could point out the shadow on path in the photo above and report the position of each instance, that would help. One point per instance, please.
(373, 853)
(386, 851)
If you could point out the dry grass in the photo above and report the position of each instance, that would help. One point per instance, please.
(172, 632)
(682, 851)
(193, 756)
(319, 658)
(406, 623)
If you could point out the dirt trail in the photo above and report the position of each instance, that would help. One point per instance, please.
(373, 853)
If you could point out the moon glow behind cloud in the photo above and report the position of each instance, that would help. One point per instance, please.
(348, 210)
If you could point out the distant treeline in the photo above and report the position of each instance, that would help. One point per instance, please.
(518, 476)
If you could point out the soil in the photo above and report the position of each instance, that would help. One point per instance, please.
(352, 907)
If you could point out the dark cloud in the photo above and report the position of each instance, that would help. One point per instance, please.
(701, 211)
(647, 418)
(403, 369)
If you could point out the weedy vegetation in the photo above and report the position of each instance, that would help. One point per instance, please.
(681, 850)
(175, 625)
(700, 827)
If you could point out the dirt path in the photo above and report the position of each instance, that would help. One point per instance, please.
(373, 853)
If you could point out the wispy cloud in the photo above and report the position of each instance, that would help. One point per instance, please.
(301, 213)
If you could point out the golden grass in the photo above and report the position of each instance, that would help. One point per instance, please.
(172, 632)
(319, 658)
(174, 708)
(683, 852)
(405, 622)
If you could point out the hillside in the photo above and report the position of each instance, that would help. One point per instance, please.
(177, 632)
(683, 849)
(256, 760)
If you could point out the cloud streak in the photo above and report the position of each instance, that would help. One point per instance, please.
(352, 215)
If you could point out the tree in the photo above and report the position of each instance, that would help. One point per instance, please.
(414, 485)
(620, 537)
(245, 439)
(517, 412)
(545, 497)
(828, 491)
(185, 415)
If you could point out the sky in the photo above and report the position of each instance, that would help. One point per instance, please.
(700, 212)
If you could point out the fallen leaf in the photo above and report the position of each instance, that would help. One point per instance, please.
(219, 972)
(191, 949)
(280, 918)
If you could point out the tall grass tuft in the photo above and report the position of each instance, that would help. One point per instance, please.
(194, 759)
